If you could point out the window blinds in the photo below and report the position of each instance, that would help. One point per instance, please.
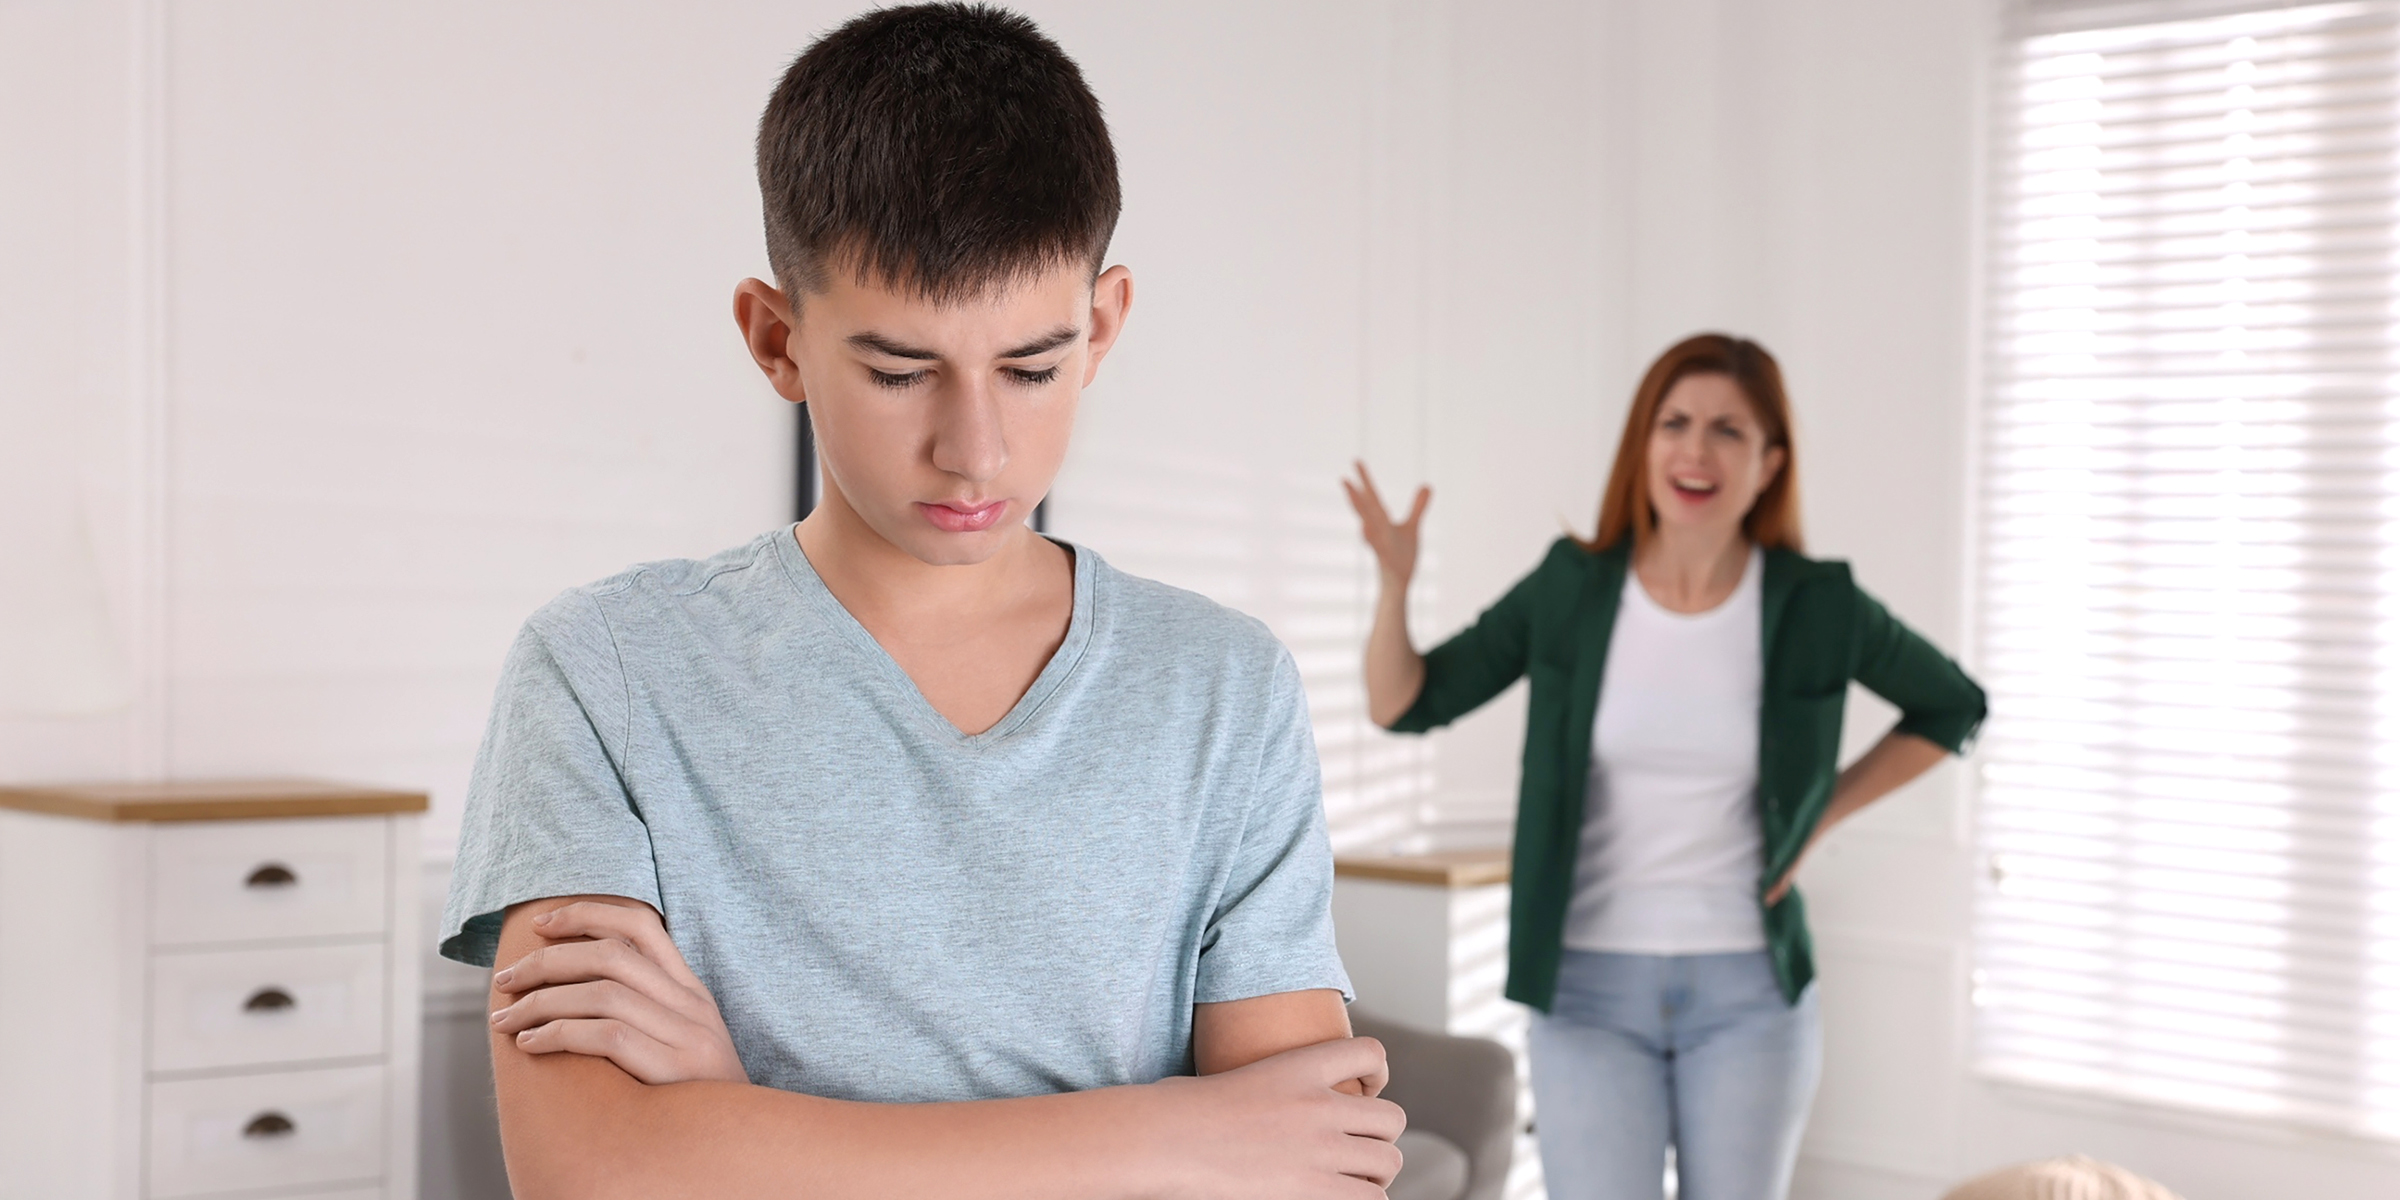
(2190, 557)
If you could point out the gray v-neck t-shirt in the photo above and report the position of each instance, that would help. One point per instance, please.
(886, 908)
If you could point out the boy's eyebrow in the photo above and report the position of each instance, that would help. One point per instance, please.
(876, 343)
(879, 344)
(1046, 343)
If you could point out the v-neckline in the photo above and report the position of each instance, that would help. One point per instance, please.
(845, 624)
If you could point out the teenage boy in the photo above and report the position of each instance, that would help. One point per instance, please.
(909, 853)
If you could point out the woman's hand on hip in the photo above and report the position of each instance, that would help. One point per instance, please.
(1394, 543)
(609, 983)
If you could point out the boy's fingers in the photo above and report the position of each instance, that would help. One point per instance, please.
(1327, 1064)
(638, 927)
(594, 918)
(1373, 1159)
(637, 1054)
(1374, 1080)
(603, 998)
(583, 962)
(1375, 1120)
(575, 962)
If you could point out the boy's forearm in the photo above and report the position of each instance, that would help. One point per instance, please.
(613, 1136)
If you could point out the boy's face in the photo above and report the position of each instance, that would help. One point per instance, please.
(940, 425)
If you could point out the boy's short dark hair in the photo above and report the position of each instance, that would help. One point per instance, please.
(942, 148)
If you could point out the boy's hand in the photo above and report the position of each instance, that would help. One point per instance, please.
(1279, 1127)
(609, 983)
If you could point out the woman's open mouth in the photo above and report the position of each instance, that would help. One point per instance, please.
(1692, 489)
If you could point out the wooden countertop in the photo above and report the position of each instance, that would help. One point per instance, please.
(1438, 868)
(209, 800)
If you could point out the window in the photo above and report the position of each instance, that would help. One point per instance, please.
(2190, 557)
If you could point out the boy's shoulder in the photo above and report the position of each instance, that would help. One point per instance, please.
(662, 589)
(1182, 624)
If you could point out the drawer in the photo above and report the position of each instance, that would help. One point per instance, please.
(227, 881)
(238, 1008)
(292, 1130)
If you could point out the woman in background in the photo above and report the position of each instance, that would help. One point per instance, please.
(1688, 668)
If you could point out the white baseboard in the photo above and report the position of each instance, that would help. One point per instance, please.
(1821, 1178)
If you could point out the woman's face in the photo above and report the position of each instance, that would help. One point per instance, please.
(1709, 458)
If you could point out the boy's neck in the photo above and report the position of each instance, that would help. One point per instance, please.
(880, 582)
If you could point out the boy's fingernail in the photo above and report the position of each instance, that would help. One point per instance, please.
(501, 979)
(544, 919)
(499, 1013)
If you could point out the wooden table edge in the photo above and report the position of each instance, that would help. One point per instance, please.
(333, 800)
(1415, 870)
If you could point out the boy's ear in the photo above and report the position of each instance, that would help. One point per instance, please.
(767, 326)
(1112, 299)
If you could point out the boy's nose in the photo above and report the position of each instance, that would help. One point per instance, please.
(967, 439)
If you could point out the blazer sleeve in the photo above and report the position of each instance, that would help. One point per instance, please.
(1936, 699)
(1478, 662)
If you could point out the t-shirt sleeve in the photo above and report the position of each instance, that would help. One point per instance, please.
(1272, 930)
(548, 812)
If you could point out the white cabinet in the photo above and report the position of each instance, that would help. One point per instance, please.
(253, 880)
(1425, 938)
(209, 990)
(256, 1007)
(236, 1133)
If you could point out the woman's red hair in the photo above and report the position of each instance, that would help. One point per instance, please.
(1625, 509)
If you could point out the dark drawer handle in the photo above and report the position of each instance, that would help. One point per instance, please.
(269, 1125)
(268, 999)
(271, 875)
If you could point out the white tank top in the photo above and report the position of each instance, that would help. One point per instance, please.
(1669, 861)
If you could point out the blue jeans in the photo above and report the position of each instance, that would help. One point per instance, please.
(1641, 1051)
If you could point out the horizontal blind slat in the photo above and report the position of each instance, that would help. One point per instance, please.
(2189, 547)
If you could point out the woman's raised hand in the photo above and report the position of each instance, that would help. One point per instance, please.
(1394, 543)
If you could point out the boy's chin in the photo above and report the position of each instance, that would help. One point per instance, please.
(939, 548)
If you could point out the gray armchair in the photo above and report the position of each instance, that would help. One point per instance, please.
(1461, 1097)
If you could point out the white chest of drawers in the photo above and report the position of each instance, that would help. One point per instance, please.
(208, 990)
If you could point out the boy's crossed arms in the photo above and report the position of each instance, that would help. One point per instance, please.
(617, 1077)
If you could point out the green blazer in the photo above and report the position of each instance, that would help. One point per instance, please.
(1821, 631)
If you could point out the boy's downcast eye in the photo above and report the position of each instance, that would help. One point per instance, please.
(896, 380)
(1022, 375)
